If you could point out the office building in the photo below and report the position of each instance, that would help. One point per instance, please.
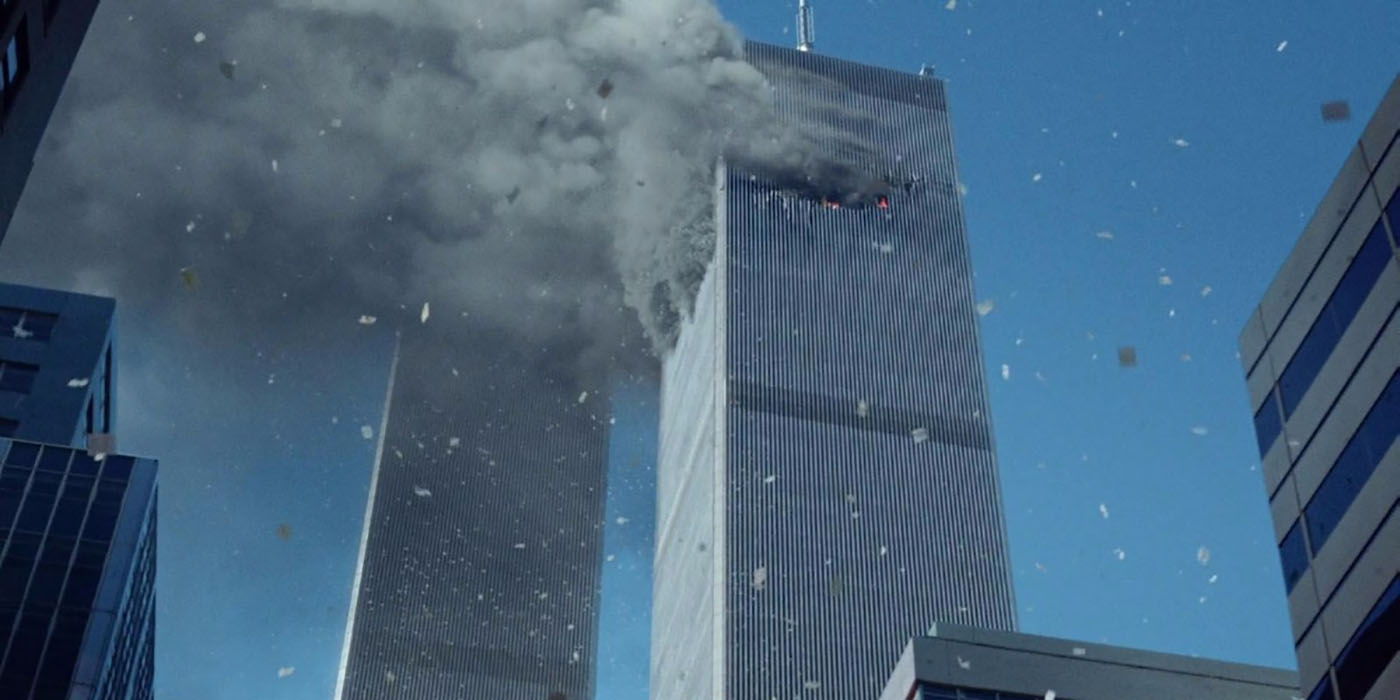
(827, 484)
(480, 558)
(39, 39)
(56, 371)
(955, 662)
(1322, 357)
(77, 579)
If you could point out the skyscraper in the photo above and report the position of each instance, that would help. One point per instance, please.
(56, 370)
(479, 563)
(77, 528)
(39, 39)
(1322, 358)
(827, 484)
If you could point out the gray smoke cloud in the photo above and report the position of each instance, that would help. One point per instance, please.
(529, 164)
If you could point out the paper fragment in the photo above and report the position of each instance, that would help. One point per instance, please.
(199, 37)
(226, 67)
(1205, 291)
(986, 306)
(1127, 356)
(421, 492)
(1203, 555)
(423, 315)
(1199, 430)
(78, 383)
(1103, 510)
(286, 671)
(1336, 111)
(1118, 552)
(759, 578)
(1006, 372)
(583, 397)
(1164, 280)
(1282, 45)
(367, 432)
(1181, 143)
(1106, 235)
(920, 435)
(367, 320)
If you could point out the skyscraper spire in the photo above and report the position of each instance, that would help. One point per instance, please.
(805, 34)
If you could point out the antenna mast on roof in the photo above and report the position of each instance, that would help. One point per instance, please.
(804, 26)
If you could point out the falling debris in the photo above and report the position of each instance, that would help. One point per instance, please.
(519, 545)
(274, 165)
(1103, 510)
(423, 315)
(1282, 45)
(226, 67)
(770, 478)
(760, 578)
(199, 37)
(1199, 430)
(986, 307)
(454, 442)
(1127, 356)
(421, 492)
(1106, 235)
(1203, 555)
(21, 332)
(1205, 291)
(1049, 695)
(1213, 578)
(510, 196)
(583, 397)
(1118, 552)
(862, 408)
(336, 123)
(622, 520)
(920, 435)
(189, 227)
(1035, 177)
(1040, 567)
(1006, 372)
(1336, 111)
(77, 383)
(884, 550)
(191, 279)
(964, 665)
(1181, 143)
(1164, 280)
(367, 432)
(1185, 357)
(1202, 601)
(1079, 651)
(284, 531)
(285, 670)
(367, 320)
(816, 685)
(605, 88)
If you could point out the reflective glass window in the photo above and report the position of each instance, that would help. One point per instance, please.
(54, 459)
(1371, 648)
(21, 454)
(1360, 276)
(1294, 554)
(1268, 423)
(17, 376)
(1323, 691)
(1307, 360)
(1351, 470)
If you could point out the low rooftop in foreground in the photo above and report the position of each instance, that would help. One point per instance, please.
(954, 661)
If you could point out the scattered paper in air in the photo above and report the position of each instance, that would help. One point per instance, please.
(1164, 280)
(1336, 111)
(21, 332)
(985, 307)
(1203, 555)
(862, 408)
(920, 435)
(1006, 372)
(964, 665)
(1049, 695)
(770, 478)
(1213, 578)
(190, 278)
(622, 520)
(1282, 45)
(421, 492)
(1103, 510)
(1199, 430)
(367, 320)
(285, 671)
(760, 578)
(1118, 552)
(226, 67)
(1181, 143)
(77, 383)
(1106, 235)
(1035, 177)
(1080, 651)
(884, 550)
(1127, 356)
(952, 5)
(423, 315)
(454, 442)
(367, 432)
(519, 545)
(274, 165)
(1205, 291)
(199, 37)
(583, 397)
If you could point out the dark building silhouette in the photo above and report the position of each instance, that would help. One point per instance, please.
(77, 525)
(480, 559)
(827, 481)
(954, 662)
(1321, 355)
(39, 39)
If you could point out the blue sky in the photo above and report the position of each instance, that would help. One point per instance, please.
(1190, 131)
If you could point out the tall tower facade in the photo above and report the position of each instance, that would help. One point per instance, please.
(1321, 355)
(827, 485)
(39, 39)
(479, 564)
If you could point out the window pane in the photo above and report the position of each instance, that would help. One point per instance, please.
(22, 454)
(1360, 276)
(1323, 691)
(54, 459)
(34, 514)
(1336, 492)
(1307, 361)
(40, 324)
(17, 376)
(1383, 423)
(1268, 423)
(118, 469)
(1293, 552)
(1371, 648)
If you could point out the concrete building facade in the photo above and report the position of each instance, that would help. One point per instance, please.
(1322, 360)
